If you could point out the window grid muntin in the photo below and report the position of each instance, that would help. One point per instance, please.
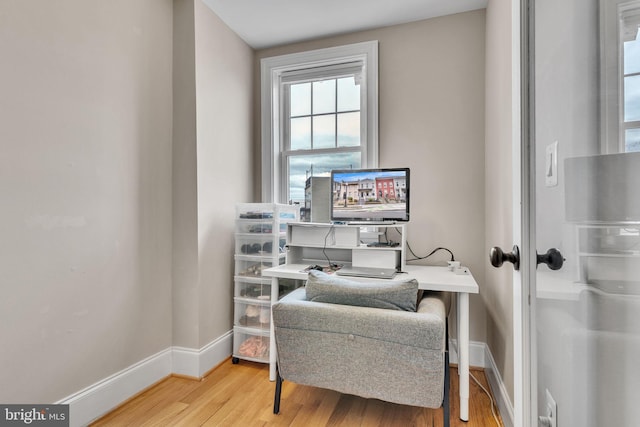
(287, 152)
(336, 112)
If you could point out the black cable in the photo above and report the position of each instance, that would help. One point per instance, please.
(324, 252)
(416, 257)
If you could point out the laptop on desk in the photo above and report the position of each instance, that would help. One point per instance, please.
(371, 272)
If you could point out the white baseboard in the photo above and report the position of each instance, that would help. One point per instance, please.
(480, 355)
(215, 353)
(498, 389)
(103, 396)
(477, 352)
(196, 363)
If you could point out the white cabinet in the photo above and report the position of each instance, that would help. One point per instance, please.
(261, 232)
(379, 245)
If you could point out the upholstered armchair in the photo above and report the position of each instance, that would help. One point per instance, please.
(373, 339)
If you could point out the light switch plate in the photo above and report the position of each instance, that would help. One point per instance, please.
(552, 408)
(551, 165)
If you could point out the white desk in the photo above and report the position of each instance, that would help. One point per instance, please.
(429, 278)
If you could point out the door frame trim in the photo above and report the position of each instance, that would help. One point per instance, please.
(523, 224)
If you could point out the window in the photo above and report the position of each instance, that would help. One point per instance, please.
(620, 76)
(319, 112)
(630, 70)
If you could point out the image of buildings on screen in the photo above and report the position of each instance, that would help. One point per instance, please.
(374, 189)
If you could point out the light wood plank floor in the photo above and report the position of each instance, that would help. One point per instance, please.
(242, 395)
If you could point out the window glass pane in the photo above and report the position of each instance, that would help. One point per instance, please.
(348, 94)
(300, 99)
(349, 129)
(324, 96)
(632, 140)
(300, 168)
(324, 131)
(300, 133)
(631, 98)
(632, 57)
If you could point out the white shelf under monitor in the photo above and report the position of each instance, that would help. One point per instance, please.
(324, 243)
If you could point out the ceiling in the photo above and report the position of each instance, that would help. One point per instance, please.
(268, 23)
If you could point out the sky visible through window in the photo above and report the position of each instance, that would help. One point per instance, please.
(632, 92)
(324, 115)
(300, 169)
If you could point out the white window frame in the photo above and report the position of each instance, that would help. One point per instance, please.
(612, 130)
(272, 71)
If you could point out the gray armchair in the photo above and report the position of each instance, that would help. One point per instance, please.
(392, 355)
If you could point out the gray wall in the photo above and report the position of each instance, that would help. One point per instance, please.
(224, 79)
(497, 293)
(85, 159)
(432, 77)
(185, 198)
(212, 169)
(107, 162)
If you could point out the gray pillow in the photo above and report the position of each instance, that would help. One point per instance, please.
(390, 294)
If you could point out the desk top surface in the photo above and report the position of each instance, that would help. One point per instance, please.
(433, 278)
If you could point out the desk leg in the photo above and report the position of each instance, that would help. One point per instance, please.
(463, 353)
(275, 290)
(458, 331)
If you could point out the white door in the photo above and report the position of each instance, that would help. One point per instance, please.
(582, 193)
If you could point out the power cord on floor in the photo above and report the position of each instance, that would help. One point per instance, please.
(493, 412)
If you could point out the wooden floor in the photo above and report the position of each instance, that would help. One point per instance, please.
(242, 395)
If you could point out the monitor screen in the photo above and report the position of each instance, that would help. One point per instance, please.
(370, 195)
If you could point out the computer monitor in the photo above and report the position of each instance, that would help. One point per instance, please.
(370, 195)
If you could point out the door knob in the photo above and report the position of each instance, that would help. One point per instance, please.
(498, 257)
(553, 258)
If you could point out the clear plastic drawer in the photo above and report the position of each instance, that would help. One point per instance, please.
(259, 244)
(266, 211)
(253, 313)
(250, 287)
(252, 266)
(251, 344)
(246, 226)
